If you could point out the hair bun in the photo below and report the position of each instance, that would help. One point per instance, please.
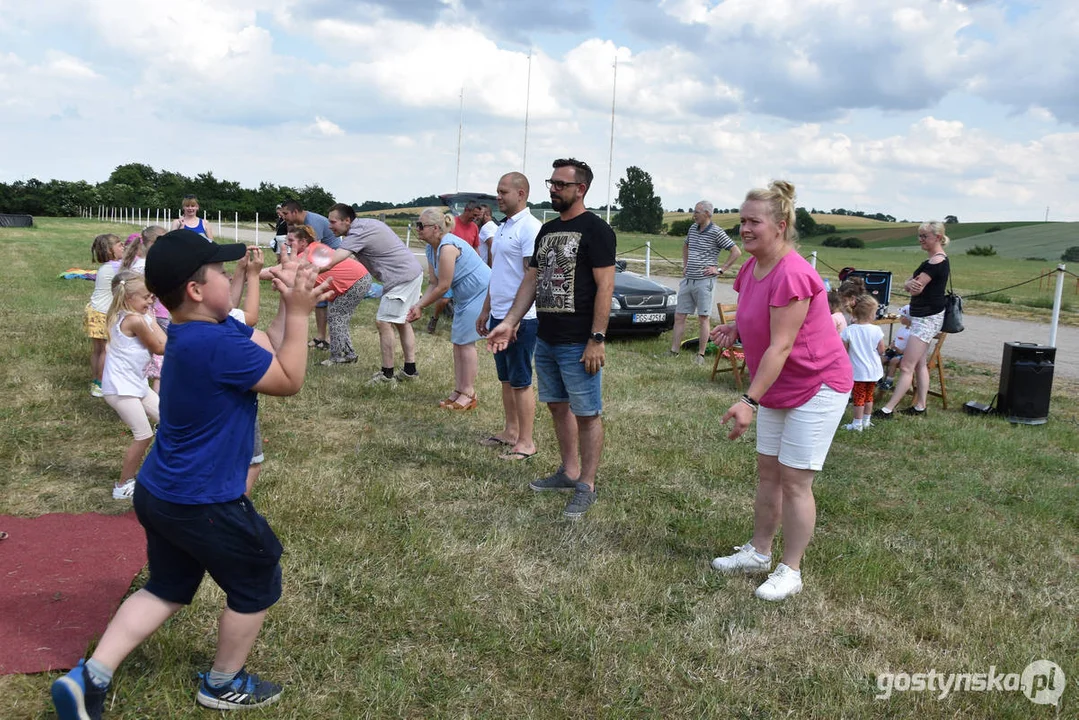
(783, 188)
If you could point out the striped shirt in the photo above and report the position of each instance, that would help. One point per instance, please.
(704, 246)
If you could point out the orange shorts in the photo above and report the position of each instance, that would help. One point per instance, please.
(863, 393)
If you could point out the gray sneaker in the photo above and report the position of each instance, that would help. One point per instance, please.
(401, 375)
(558, 480)
(379, 379)
(583, 497)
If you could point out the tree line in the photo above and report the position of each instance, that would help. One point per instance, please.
(136, 185)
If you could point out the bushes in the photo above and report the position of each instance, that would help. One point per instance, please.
(995, 228)
(1071, 254)
(843, 242)
(984, 251)
(679, 228)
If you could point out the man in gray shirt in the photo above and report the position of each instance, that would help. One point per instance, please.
(700, 260)
(377, 246)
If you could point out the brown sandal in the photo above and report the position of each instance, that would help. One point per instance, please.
(451, 399)
(456, 404)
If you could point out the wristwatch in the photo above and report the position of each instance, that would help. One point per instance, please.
(598, 337)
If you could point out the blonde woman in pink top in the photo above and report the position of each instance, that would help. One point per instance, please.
(801, 379)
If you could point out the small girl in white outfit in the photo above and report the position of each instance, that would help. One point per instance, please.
(133, 336)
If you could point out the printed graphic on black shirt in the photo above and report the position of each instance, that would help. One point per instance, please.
(556, 264)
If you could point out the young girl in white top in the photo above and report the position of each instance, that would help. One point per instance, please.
(865, 344)
(133, 335)
(136, 247)
(106, 250)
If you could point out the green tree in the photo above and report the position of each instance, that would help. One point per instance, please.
(642, 210)
(804, 223)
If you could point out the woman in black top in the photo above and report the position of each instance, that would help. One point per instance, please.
(926, 287)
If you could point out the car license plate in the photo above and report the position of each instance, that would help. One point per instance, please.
(649, 317)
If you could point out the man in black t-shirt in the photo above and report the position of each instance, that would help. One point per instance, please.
(571, 280)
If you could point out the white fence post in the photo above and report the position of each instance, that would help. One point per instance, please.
(219, 222)
(256, 229)
(813, 259)
(648, 258)
(1056, 306)
(236, 227)
(408, 234)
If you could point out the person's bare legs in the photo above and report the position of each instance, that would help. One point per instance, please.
(799, 513)
(320, 324)
(236, 635)
(97, 358)
(133, 458)
(511, 425)
(914, 354)
(590, 434)
(137, 619)
(565, 429)
(386, 342)
(768, 506)
(525, 411)
(465, 368)
(921, 389)
(678, 332)
(408, 343)
(706, 327)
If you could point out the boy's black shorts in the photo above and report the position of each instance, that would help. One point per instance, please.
(229, 540)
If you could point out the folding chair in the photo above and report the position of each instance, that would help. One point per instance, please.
(933, 362)
(734, 354)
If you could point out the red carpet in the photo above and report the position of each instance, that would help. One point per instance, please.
(61, 578)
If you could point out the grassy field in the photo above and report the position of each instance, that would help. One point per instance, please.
(423, 579)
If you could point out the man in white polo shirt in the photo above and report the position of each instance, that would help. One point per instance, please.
(700, 260)
(511, 249)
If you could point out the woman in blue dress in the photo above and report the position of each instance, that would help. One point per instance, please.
(458, 267)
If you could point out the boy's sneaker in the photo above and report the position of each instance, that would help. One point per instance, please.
(583, 497)
(852, 426)
(558, 480)
(402, 375)
(95, 389)
(379, 379)
(887, 384)
(746, 560)
(75, 697)
(245, 691)
(125, 491)
(781, 584)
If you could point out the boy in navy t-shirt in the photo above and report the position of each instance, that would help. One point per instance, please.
(189, 496)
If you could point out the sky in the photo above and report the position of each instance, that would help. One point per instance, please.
(914, 108)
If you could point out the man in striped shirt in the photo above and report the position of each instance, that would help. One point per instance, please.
(700, 260)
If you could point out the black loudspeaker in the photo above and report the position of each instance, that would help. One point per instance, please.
(1026, 382)
(878, 283)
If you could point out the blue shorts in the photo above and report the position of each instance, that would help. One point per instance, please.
(514, 364)
(230, 540)
(562, 378)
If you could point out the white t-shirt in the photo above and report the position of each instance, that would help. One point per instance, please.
(486, 233)
(863, 341)
(512, 246)
(125, 363)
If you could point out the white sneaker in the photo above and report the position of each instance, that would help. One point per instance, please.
(379, 379)
(746, 560)
(852, 426)
(698, 359)
(125, 491)
(866, 423)
(781, 584)
(95, 390)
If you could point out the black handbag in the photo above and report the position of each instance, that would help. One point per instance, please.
(953, 311)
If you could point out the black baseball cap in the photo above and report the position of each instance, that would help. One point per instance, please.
(177, 255)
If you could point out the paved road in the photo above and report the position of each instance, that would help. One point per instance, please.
(982, 341)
